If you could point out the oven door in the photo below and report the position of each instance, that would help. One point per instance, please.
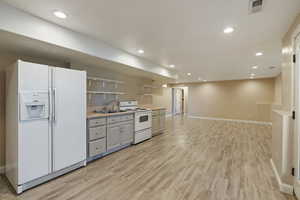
(143, 120)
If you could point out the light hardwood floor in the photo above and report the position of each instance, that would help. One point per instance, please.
(194, 159)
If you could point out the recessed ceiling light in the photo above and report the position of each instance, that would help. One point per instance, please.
(259, 54)
(204, 80)
(252, 74)
(172, 66)
(189, 74)
(141, 51)
(228, 30)
(60, 14)
(254, 67)
(164, 85)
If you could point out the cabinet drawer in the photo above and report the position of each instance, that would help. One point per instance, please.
(126, 117)
(97, 121)
(120, 118)
(113, 119)
(97, 132)
(97, 147)
(155, 112)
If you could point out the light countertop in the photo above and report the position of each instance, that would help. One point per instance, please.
(95, 115)
(150, 107)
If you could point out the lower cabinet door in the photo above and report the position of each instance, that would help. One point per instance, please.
(162, 122)
(97, 147)
(126, 133)
(155, 124)
(113, 137)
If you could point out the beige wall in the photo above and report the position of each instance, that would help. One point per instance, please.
(241, 99)
(163, 98)
(278, 91)
(2, 115)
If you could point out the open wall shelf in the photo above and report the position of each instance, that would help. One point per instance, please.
(100, 92)
(104, 80)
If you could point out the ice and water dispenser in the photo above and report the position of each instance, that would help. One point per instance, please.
(34, 105)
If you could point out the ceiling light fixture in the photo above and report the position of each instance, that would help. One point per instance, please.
(164, 85)
(189, 74)
(204, 80)
(172, 66)
(254, 67)
(141, 51)
(60, 14)
(252, 74)
(228, 30)
(259, 54)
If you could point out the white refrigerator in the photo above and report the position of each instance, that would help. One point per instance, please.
(45, 123)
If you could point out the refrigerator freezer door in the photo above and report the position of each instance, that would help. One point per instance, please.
(34, 147)
(69, 124)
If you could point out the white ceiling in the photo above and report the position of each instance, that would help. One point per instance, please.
(188, 33)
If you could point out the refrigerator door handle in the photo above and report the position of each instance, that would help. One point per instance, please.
(49, 105)
(54, 104)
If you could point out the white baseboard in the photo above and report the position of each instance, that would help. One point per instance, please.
(231, 120)
(2, 169)
(283, 187)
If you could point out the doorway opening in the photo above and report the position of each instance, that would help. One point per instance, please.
(178, 101)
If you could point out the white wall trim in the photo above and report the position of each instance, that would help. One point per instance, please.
(231, 120)
(2, 169)
(283, 187)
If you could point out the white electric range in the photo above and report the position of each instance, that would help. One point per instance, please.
(142, 120)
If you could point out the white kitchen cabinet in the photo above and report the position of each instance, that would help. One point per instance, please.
(97, 132)
(97, 147)
(155, 124)
(109, 134)
(126, 133)
(162, 122)
(158, 121)
(113, 137)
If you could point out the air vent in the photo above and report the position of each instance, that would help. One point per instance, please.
(255, 6)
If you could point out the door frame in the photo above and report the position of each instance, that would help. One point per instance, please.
(296, 108)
